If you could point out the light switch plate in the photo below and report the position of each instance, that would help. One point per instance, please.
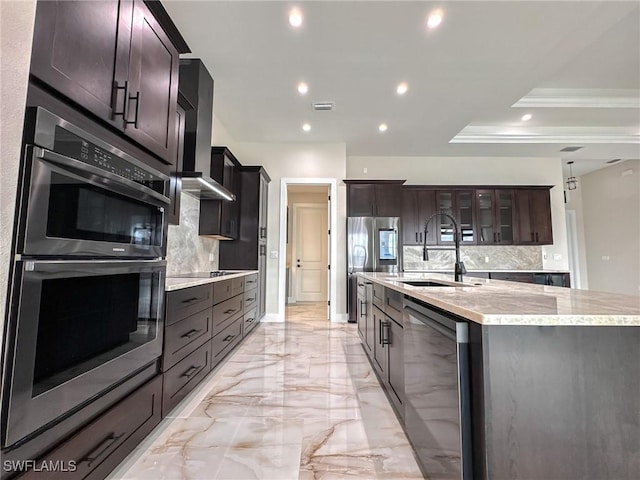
(273, 254)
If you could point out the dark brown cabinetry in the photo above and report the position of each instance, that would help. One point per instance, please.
(418, 204)
(175, 185)
(383, 336)
(366, 198)
(249, 250)
(114, 60)
(533, 211)
(461, 205)
(100, 446)
(495, 214)
(219, 218)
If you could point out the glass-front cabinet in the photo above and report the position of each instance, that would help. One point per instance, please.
(495, 216)
(461, 205)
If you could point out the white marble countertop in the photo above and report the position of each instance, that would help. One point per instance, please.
(496, 302)
(201, 278)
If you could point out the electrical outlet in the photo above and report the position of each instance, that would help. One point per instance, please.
(212, 257)
(364, 170)
(486, 259)
(557, 256)
(273, 254)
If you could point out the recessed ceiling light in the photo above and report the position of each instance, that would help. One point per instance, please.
(382, 127)
(526, 117)
(402, 88)
(306, 127)
(303, 88)
(435, 19)
(295, 18)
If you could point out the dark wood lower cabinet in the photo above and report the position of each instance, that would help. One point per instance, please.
(99, 447)
(184, 376)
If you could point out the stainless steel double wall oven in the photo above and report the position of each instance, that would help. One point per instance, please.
(85, 316)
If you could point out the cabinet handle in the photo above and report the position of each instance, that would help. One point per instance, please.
(380, 332)
(101, 448)
(189, 300)
(420, 237)
(494, 237)
(228, 338)
(385, 337)
(251, 299)
(136, 97)
(191, 333)
(116, 89)
(250, 320)
(263, 232)
(363, 305)
(416, 237)
(499, 238)
(537, 240)
(191, 370)
(231, 310)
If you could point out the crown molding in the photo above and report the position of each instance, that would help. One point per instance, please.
(571, 135)
(580, 98)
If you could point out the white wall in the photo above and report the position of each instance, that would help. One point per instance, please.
(574, 202)
(611, 211)
(16, 32)
(297, 161)
(478, 171)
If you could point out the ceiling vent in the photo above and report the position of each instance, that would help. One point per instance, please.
(323, 106)
(570, 149)
(615, 160)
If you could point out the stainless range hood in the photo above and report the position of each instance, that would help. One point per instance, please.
(203, 187)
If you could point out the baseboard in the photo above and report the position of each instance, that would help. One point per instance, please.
(291, 300)
(341, 318)
(272, 317)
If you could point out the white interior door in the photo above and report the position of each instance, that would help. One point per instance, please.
(310, 252)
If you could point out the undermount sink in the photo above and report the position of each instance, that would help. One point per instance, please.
(427, 283)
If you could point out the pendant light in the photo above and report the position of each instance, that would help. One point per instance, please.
(571, 182)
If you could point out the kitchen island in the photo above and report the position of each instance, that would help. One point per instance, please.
(552, 375)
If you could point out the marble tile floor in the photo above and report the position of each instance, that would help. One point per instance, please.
(296, 400)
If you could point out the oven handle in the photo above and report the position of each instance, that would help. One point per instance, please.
(58, 159)
(53, 266)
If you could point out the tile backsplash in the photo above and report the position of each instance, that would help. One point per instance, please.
(485, 257)
(187, 251)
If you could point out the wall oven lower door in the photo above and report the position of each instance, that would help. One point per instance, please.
(80, 329)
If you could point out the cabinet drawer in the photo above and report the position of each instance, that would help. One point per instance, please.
(378, 296)
(225, 311)
(524, 277)
(250, 321)
(221, 291)
(184, 376)
(251, 281)
(224, 342)
(237, 286)
(101, 445)
(250, 298)
(184, 303)
(393, 304)
(183, 337)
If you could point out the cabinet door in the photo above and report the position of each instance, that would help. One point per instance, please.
(505, 216)
(361, 315)
(396, 365)
(264, 199)
(81, 49)
(360, 199)
(426, 208)
(153, 85)
(388, 200)
(410, 225)
(525, 234)
(175, 185)
(379, 348)
(541, 216)
(485, 217)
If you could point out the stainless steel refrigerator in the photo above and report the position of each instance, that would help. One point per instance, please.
(373, 245)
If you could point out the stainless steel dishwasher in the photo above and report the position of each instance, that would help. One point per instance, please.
(437, 389)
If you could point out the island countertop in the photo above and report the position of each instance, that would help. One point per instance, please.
(186, 280)
(496, 302)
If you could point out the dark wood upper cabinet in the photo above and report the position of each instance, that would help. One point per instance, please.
(370, 198)
(418, 204)
(114, 60)
(495, 214)
(533, 214)
(175, 184)
(461, 205)
(219, 218)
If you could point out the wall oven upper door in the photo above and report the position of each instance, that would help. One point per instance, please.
(81, 328)
(84, 197)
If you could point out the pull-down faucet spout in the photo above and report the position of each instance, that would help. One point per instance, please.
(458, 268)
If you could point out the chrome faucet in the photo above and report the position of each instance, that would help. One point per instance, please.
(458, 268)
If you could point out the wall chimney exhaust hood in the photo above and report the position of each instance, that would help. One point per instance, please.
(204, 187)
(196, 86)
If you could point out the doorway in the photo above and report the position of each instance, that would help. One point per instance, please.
(307, 247)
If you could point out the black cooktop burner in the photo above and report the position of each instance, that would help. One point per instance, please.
(218, 273)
